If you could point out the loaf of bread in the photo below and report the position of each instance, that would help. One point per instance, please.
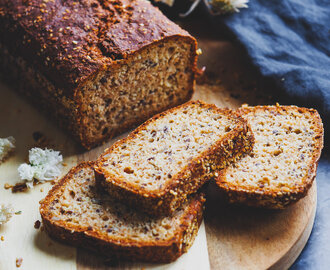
(172, 155)
(77, 213)
(282, 166)
(97, 67)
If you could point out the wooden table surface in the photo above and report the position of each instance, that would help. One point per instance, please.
(229, 238)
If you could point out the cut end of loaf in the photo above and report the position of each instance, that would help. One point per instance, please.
(77, 205)
(130, 91)
(282, 165)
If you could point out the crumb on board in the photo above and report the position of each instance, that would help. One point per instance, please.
(19, 187)
(2, 238)
(37, 224)
(7, 186)
(19, 262)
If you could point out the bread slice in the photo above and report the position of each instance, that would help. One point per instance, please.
(282, 166)
(172, 155)
(77, 213)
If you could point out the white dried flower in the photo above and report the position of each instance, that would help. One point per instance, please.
(7, 145)
(6, 212)
(218, 7)
(45, 165)
(228, 6)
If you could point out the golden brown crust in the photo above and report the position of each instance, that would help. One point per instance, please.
(198, 171)
(70, 41)
(161, 251)
(275, 198)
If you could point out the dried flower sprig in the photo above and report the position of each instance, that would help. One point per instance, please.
(228, 6)
(216, 7)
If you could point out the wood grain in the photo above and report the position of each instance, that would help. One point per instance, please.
(248, 238)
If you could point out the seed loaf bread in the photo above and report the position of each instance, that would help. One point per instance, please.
(97, 67)
(77, 213)
(172, 155)
(282, 166)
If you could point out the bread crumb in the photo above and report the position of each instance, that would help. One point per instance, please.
(19, 262)
(2, 238)
(19, 187)
(41, 190)
(7, 186)
(37, 224)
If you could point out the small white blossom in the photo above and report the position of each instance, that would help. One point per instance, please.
(7, 145)
(227, 6)
(6, 212)
(218, 7)
(45, 165)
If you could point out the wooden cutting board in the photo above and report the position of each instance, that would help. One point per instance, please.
(229, 238)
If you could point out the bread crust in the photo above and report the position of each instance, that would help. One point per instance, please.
(275, 198)
(70, 48)
(198, 171)
(160, 251)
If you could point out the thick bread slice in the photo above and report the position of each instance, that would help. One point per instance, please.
(172, 155)
(76, 213)
(282, 166)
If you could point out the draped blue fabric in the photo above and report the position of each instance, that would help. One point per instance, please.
(289, 42)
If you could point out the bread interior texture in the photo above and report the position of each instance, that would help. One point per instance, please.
(285, 143)
(79, 204)
(133, 89)
(166, 145)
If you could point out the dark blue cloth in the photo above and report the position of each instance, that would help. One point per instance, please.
(289, 42)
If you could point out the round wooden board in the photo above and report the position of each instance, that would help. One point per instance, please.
(247, 238)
